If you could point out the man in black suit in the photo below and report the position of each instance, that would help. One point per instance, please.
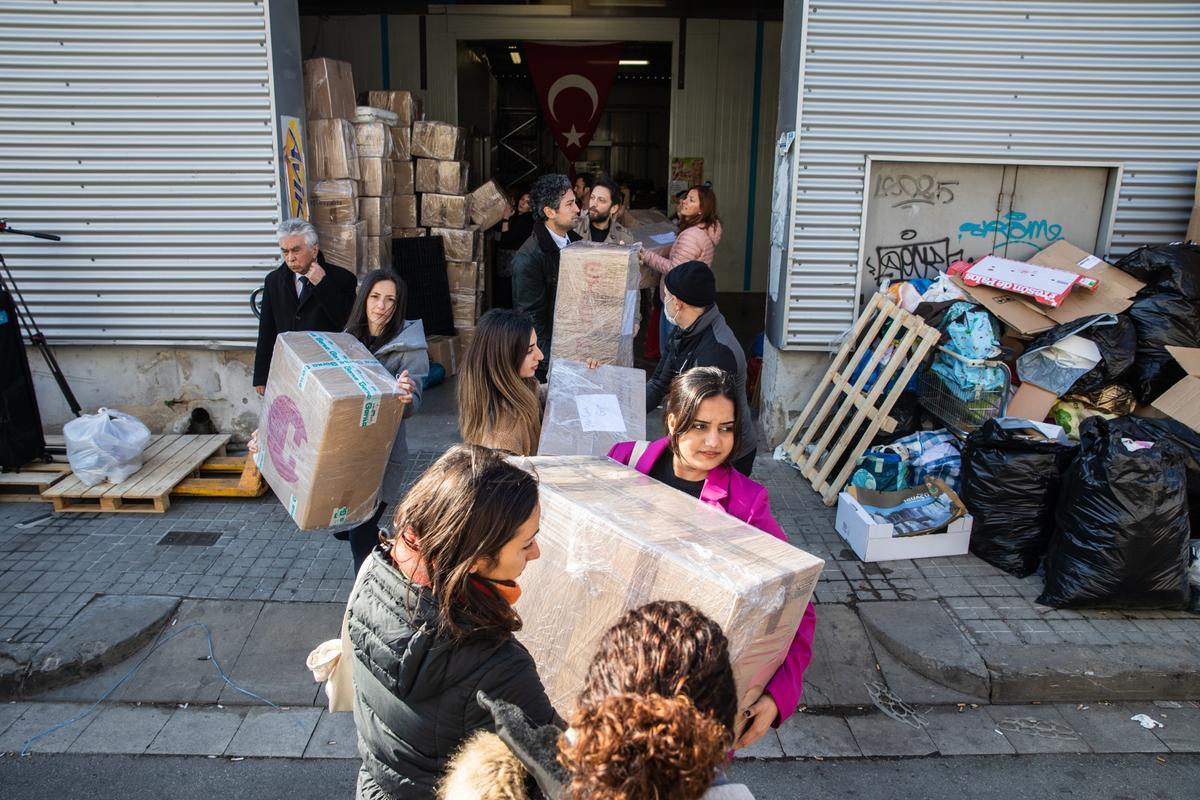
(301, 294)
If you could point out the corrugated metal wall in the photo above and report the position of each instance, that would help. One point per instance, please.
(143, 134)
(1065, 81)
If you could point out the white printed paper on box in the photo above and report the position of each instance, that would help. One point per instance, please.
(590, 410)
(599, 412)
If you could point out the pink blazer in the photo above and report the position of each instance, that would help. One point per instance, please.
(747, 500)
(693, 244)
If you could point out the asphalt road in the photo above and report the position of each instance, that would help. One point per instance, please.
(1110, 777)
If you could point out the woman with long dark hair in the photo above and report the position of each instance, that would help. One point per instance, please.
(694, 457)
(499, 400)
(432, 621)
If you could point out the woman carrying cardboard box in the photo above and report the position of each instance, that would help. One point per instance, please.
(703, 429)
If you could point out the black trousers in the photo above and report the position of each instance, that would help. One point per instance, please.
(364, 537)
(745, 464)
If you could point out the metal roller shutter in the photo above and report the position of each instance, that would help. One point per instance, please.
(143, 134)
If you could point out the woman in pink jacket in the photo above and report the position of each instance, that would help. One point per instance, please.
(702, 427)
(699, 235)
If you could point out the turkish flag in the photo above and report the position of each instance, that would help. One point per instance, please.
(572, 84)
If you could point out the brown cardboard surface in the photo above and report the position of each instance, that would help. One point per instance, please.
(403, 181)
(377, 213)
(567, 431)
(404, 211)
(458, 244)
(344, 245)
(464, 276)
(596, 304)
(332, 151)
(1182, 401)
(439, 140)
(445, 210)
(325, 431)
(375, 177)
(1031, 402)
(378, 252)
(1193, 230)
(442, 351)
(374, 140)
(334, 202)
(328, 89)
(488, 204)
(465, 306)
(403, 104)
(408, 233)
(441, 177)
(401, 142)
(613, 539)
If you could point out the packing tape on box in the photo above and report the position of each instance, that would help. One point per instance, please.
(370, 409)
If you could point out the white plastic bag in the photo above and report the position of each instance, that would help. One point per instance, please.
(105, 445)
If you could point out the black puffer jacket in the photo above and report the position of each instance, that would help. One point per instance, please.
(414, 691)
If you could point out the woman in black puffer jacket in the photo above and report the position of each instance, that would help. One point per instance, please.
(432, 621)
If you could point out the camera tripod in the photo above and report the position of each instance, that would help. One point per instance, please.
(29, 324)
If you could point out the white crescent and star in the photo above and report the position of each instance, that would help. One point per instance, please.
(573, 138)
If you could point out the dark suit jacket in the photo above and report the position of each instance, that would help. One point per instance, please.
(535, 284)
(326, 307)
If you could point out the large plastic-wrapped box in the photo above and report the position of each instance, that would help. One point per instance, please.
(377, 213)
(334, 202)
(464, 276)
(332, 151)
(590, 410)
(328, 89)
(378, 252)
(405, 106)
(375, 177)
(459, 244)
(404, 211)
(466, 306)
(445, 210)
(374, 140)
(613, 539)
(488, 204)
(596, 304)
(402, 142)
(439, 140)
(330, 414)
(403, 180)
(441, 177)
(343, 245)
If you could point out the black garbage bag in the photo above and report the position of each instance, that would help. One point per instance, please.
(1188, 442)
(1115, 337)
(1165, 312)
(1121, 528)
(1010, 484)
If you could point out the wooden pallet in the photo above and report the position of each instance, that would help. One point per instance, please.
(213, 479)
(27, 484)
(828, 462)
(169, 459)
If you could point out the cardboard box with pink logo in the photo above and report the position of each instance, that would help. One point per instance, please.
(330, 414)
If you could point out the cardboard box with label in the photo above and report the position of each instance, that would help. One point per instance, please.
(328, 89)
(488, 204)
(344, 245)
(375, 177)
(613, 539)
(873, 540)
(332, 151)
(330, 415)
(334, 202)
(405, 105)
(441, 177)
(590, 410)
(439, 140)
(596, 305)
(445, 210)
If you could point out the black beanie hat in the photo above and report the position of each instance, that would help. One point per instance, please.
(693, 283)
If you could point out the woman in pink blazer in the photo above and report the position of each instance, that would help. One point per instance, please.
(702, 427)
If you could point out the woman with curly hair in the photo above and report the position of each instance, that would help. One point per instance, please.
(655, 721)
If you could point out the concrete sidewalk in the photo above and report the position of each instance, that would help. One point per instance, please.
(81, 592)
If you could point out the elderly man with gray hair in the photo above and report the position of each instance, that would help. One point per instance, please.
(301, 294)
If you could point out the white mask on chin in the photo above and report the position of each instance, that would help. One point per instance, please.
(667, 311)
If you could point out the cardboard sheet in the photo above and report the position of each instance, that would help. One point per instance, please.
(590, 410)
(1182, 401)
(596, 304)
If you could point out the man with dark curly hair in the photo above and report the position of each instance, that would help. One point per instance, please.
(535, 265)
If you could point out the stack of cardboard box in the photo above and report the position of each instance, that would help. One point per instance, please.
(333, 161)
(376, 154)
(407, 109)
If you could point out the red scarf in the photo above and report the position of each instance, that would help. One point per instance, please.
(408, 560)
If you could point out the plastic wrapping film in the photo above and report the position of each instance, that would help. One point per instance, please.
(374, 140)
(441, 177)
(378, 253)
(334, 202)
(343, 245)
(465, 306)
(376, 178)
(439, 140)
(445, 210)
(459, 244)
(404, 211)
(401, 142)
(407, 233)
(590, 410)
(328, 89)
(596, 305)
(655, 236)
(332, 151)
(377, 213)
(613, 539)
(330, 415)
(368, 114)
(403, 182)
(404, 105)
(488, 204)
(464, 276)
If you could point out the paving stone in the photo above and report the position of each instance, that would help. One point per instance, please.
(968, 732)
(274, 733)
(880, 735)
(271, 663)
(1107, 728)
(197, 731)
(10, 712)
(843, 660)
(334, 737)
(38, 718)
(766, 747)
(1037, 729)
(121, 729)
(823, 735)
(1180, 730)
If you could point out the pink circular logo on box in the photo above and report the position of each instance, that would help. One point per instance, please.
(283, 418)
